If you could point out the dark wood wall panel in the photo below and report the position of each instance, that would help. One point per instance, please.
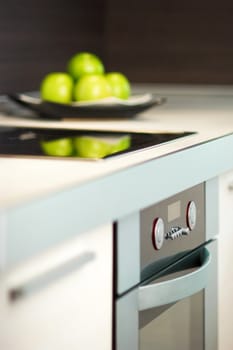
(37, 37)
(171, 41)
(150, 41)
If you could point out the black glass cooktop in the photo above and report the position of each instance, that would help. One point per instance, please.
(27, 142)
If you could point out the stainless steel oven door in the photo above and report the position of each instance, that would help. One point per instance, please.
(177, 310)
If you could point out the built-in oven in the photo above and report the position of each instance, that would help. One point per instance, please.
(166, 274)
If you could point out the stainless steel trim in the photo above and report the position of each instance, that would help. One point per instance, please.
(127, 322)
(128, 252)
(163, 293)
(211, 301)
(211, 208)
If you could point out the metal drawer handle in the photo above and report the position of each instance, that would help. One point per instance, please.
(38, 282)
(167, 292)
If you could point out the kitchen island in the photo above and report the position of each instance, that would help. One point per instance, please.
(47, 204)
(87, 194)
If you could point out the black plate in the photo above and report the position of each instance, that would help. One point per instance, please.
(107, 109)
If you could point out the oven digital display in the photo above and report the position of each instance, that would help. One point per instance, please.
(173, 211)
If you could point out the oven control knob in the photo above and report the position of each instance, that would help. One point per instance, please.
(158, 233)
(191, 215)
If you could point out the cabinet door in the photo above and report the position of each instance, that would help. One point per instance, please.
(225, 261)
(61, 300)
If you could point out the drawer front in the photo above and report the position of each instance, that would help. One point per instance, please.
(61, 300)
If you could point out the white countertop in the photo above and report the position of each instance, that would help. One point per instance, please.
(211, 116)
(44, 202)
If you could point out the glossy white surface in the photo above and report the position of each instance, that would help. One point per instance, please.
(66, 311)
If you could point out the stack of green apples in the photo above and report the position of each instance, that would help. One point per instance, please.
(84, 80)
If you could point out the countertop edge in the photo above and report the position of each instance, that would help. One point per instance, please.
(53, 219)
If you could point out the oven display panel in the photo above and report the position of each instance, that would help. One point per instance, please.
(173, 211)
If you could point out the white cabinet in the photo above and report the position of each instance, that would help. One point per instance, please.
(226, 261)
(63, 299)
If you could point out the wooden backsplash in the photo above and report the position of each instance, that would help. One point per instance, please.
(37, 37)
(177, 41)
(162, 41)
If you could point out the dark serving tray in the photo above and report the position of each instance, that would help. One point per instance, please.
(108, 108)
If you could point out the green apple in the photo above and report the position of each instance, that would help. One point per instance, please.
(91, 88)
(119, 84)
(60, 147)
(57, 87)
(100, 146)
(84, 63)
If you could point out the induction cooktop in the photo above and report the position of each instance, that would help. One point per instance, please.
(26, 142)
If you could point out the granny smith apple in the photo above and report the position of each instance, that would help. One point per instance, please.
(84, 63)
(120, 85)
(91, 88)
(60, 147)
(57, 87)
(99, 146)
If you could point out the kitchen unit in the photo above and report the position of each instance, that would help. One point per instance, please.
(46, 203)
(48, 301)
(168, 305)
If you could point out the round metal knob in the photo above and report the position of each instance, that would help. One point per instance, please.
(158, 233)
(191, 216)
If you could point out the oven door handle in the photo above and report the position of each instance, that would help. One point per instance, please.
(162, 293)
